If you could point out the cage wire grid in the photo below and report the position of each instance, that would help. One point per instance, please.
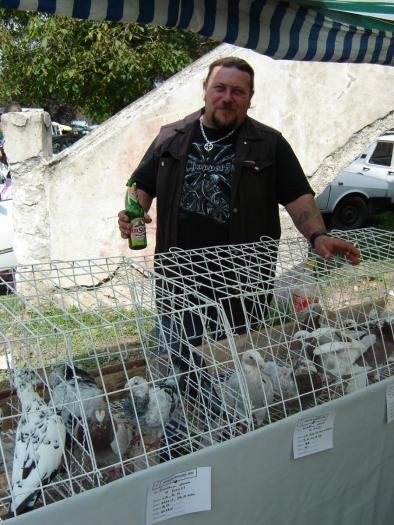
(146, 359)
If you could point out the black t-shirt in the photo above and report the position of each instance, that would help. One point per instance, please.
(280, 174)
(204, 209)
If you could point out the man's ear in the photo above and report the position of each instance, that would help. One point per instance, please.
(204, 88)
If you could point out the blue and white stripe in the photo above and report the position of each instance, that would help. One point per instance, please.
(274, 28)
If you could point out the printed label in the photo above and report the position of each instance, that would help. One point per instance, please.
(182, 493)
(313, 434)
(138, 230)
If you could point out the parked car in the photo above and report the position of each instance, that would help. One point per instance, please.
(64, 136)
(365, 187)
(61, 142)
(7, 256)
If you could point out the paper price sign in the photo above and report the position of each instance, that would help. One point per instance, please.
(390, 403)
(182, 493)
(313, 434)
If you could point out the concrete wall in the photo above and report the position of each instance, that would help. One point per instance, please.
(318, 108)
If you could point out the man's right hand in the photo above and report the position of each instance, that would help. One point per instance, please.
(124, 223)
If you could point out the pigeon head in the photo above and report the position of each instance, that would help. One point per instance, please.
(139, 387)
(22, 378)
(138, 399)
(137, 384)
(252, 358)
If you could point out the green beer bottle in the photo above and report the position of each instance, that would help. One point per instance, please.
(135, 213)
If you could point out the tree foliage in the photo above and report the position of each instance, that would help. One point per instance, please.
(95, 68)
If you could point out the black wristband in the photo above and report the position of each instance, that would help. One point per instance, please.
(315, 235)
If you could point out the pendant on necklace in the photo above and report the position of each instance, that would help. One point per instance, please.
(208, 146)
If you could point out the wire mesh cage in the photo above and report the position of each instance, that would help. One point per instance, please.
(324, 328)
(109, 366)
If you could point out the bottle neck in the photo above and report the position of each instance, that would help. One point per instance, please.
(132, 193)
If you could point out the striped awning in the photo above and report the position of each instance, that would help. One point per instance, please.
(311, 30)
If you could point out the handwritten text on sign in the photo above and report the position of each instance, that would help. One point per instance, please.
(182, 493)
(313, 434)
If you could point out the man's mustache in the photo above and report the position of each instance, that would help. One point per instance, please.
(226, 106)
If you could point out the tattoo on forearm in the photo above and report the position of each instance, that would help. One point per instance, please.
(303, 217)
(308, 218)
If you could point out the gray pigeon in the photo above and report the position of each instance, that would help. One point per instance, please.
(260, 389)
(282, 378)
(298, 385)
(150, 407)
(76, 395)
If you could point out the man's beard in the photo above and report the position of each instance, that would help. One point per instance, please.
(228, 126)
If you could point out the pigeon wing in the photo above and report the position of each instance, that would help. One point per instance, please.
(37, 457)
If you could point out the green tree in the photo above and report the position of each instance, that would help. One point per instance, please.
(96, 68)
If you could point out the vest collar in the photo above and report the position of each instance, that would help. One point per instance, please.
(247, 128)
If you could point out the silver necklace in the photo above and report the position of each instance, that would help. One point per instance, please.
(209, 143)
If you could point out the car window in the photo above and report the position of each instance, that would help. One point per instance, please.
(61, 142)
(382, 154)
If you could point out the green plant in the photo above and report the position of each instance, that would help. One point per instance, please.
(96, 68)
(384, 221)
(42, 336)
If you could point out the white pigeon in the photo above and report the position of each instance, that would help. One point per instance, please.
(259, 388)
(309, 340)
(324, 334)
(338, 357)
(359, 379)
(352, 329)
(301, 334)
(150, 407)
(76, 395)
(282, 378)
(39, 446)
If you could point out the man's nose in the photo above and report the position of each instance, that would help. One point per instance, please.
(227, 95)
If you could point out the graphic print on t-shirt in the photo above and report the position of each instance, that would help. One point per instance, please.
(207, 182)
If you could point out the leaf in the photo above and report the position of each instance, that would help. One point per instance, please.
(96, 68)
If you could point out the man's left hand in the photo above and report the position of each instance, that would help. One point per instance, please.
(327, 247)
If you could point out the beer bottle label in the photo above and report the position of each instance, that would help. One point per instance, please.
(138, 234)
(134, 211)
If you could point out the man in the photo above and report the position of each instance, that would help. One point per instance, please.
(219, 175)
